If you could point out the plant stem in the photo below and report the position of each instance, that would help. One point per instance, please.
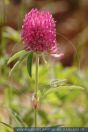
(36, 87)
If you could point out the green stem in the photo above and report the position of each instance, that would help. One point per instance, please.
(36, 87)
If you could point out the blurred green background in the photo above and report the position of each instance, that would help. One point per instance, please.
(63, 85)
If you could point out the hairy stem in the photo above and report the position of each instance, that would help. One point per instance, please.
(36, 87)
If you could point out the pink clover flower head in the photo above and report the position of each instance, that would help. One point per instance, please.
(39, 32)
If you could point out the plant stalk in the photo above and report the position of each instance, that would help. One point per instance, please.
(36, 87)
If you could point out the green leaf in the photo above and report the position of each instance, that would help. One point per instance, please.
(16, 64)
(14, 67)
(17, 55)
(58, 82)
(75, 87)
(8, 127)
(61, 88)
(18, 119)
(29, 64)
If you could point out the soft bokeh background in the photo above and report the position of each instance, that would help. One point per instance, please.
(63, 104)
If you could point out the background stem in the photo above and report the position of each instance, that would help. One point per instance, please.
(36, 87)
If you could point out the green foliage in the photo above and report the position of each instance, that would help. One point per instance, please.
(12, 34)
(18, 119)
(19, 54)
(29, 64)
(63, 95)
(53, 94)
(6, 127)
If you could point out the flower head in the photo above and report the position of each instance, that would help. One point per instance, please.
(39, 32)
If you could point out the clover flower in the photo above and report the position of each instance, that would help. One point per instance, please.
(39, 32)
